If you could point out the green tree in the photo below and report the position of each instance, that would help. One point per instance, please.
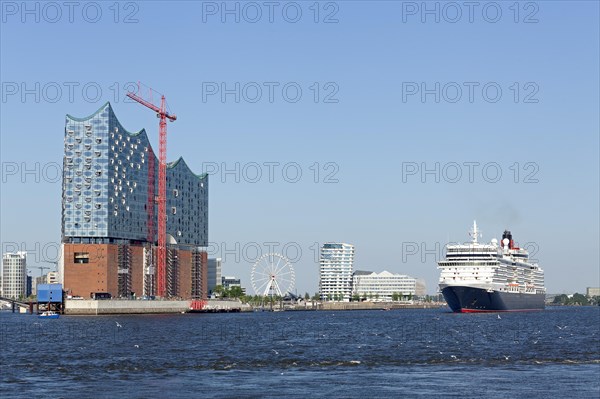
(578, 299)
(306, 296)
(235, 292)
(219, 290)
(355, 297)
(395, 296)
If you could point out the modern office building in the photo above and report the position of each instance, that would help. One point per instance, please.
(229, 281)
(109, 214)
(29, 289)
(214, 274)
(336, 267)
(383, 286)
(14, 274)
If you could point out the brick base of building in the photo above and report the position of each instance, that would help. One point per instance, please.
(121, 270)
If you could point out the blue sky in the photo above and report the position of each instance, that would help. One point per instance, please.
(364, 129)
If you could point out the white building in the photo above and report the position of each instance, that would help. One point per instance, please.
(382, 286)
(336, 266)
(14, 274)
(52, 278)
(214, 273)
(593, 291)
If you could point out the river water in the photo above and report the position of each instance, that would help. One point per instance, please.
(363, 354)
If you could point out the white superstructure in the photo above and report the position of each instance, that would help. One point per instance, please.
(494, 267)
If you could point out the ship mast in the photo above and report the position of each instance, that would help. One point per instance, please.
(474, 232)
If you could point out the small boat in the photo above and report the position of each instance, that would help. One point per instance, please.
(48, 314)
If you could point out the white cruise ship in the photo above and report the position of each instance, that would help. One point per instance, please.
(490, 277)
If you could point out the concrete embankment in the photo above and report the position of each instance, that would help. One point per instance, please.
(103, 307)
(100, 307)
(95, 307)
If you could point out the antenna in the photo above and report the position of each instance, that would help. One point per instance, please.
(474, 233)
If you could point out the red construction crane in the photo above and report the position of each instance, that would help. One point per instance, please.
(163, 115)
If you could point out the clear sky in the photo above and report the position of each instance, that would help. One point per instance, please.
(388, 90)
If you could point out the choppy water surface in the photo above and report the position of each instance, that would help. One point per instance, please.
(554, 353)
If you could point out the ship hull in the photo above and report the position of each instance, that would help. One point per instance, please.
(464, 299)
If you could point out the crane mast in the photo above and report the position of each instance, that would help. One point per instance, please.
(161, 199)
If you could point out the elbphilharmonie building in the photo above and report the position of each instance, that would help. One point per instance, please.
(109, 213)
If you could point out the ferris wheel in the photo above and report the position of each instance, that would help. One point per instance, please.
(272, 275)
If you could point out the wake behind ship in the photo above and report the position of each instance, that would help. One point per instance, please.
(490, 277)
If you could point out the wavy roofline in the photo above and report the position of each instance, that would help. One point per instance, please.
(133, 134)
(170, 165)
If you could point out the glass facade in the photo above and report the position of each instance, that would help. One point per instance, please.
(336, 266)
(106, 186)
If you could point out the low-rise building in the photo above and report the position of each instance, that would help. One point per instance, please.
(384, 286)
(229, 281)
(592, 291)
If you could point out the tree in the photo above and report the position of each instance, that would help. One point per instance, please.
(560, 299)
(355, 297)
(219, 290)
(235, 292)
(306, 296)
(395, 296)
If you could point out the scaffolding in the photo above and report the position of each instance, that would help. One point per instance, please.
(149, 271)
(124, 271)
(172, 275)
(197, 274)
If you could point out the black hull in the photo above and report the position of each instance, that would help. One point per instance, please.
(463, 299)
